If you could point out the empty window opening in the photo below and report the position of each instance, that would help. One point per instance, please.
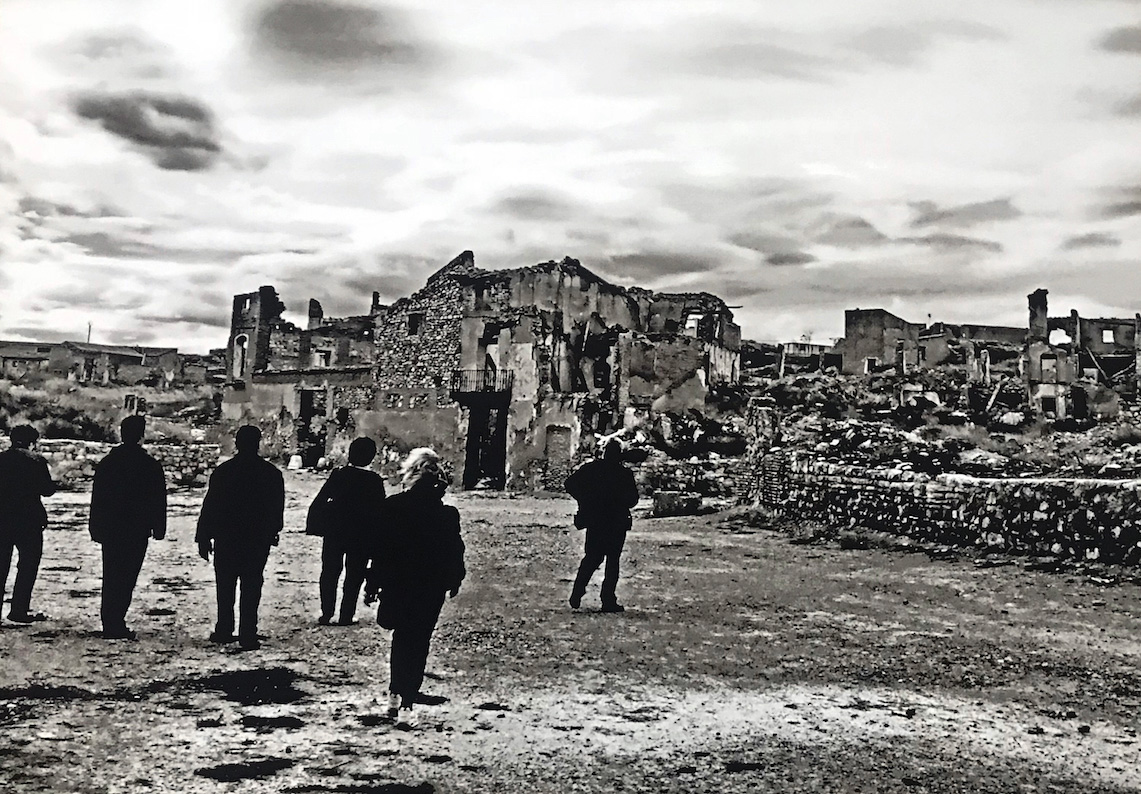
(870, 364)
(415, 323)
(1107, 336)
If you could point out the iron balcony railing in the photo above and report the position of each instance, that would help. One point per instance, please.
(481, 381)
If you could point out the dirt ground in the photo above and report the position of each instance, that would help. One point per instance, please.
(744, 662)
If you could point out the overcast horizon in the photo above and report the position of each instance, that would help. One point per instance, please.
(938, 159)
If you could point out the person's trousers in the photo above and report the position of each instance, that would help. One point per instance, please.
(336, 554)
(122, 561)
(601, 545)
(408, 656)
(248, 568)
(30, 546)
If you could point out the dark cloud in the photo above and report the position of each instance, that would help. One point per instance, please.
(848, 232)
(176, 132)
(1129, 107)
(219, 319)
(1091, 240)
(1123, 209)
(1127, 40)
(928, 213)
(793, 258)
(39, 333)
(765, 243)
(953, 242)
(537, 205)
(105, 244)
(641, 267)
(344, 37)
(904, 45)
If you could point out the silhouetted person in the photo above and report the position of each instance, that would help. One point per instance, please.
(419, 558)
(605, 492)
(24, 478)
(128, 508)
(347, 511)
(242, 516)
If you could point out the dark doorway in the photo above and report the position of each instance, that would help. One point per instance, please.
(485, 463)
(311, 427)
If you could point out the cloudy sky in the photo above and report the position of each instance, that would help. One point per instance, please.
(941, 158)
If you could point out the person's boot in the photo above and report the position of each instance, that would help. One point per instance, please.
(615, 607)
(575, 600)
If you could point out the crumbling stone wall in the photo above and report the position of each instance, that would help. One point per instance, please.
(72, 463)
(1072, 519)
(418, 340)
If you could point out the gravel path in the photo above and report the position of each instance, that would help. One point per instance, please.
(744, 663)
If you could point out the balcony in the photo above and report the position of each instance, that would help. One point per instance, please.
(481, 381)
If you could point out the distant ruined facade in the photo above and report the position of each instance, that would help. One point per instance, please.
(509, 374)
(1072, 366)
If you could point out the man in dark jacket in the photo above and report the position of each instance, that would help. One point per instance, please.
(128, 508)
(605, 492)
(347, 513)
(24, 478)
(242, 516)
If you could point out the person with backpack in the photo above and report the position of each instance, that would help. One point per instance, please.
(346, 514)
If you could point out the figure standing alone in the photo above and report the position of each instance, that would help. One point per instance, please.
(419, 559)
(128, 508)
(242, 516)
(605, 492)
(347, 513)
(24, 478)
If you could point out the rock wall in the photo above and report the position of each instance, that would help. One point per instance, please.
(1065, 518)
(72, 463)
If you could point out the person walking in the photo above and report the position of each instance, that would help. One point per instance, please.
(241, 519)
(605, 491)
(346, 513)
(24, 478)
(419, 558)
(128, 508)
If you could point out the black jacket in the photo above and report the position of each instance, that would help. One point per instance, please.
(128, 496)
(24, 478)
(350, 505)
(244, 506)
(419, 552)
(605, 491)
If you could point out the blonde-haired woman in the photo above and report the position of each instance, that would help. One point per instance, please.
(419, 558)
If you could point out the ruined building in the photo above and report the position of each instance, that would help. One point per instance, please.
(510, 374)
(877, 340)
(1080, 366)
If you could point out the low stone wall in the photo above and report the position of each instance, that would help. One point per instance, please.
(72, 463)
(1072, 519)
